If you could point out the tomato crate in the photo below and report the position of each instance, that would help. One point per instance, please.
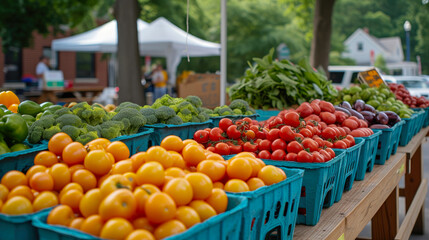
(348, 169)
(20, 160)
(318, 186)
(184, 131)
(408, 130)
(388, 142)
(19, 226)
(266, 114)
(224, 226)
(216, 120)
(367, 155)
(138, 142)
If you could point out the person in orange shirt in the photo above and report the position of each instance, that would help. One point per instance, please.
(159, 79)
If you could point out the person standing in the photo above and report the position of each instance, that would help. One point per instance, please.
(160, 82)
(41, 68)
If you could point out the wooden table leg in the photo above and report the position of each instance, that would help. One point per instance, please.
(385, 223)
(413, 179)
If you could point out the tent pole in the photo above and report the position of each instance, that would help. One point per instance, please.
(223, 28)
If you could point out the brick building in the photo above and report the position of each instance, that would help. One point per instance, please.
(84, 69)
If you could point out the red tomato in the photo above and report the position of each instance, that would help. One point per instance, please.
(275, 122)
(291, 157)
(233, 132)
(292, 119)
(261, 134)
(254, 128)
(322, 125)
(348, 131)
(224, 124)
(299, 136)
(348, 143)
(264, 154)
(305, 109)
(286, 133)
(326, 107)
(363, 123)
(306, 133)
(310, 144)
(325, 154)
(340, 144)
(331, 152)
(273, 134)
(328, 133)
(340, 116)
(328, 118)
(294, 147)
(216, 134)
(211, 149)
(328, 144)
(342, 131)
(249, 147)
(304, 156)
(278, 144)
(264, 145)
(313, 117)
(278, 154)
(235, 148)
(319, 141)
(207, 129)
(317, 157)
(351, 139)
(201, 136)
(350, 123)
(248, 120)
(316, 108)
(222, 148)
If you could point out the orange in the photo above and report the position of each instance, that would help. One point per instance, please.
(180, 190)
(76, 223)
(138, 159)
(187, 216)
(119, 150)
(175, 172)
(151, 172)
(255, 183)
(113, 183)
(58, 142)
(116, 229)
(90, 202)
(61, 175)
(92, 225)
(214, 156)
(45, 158)
(98, 162)
(160, 207)
(172, 143)
(44, 200)
(23, 191)
(140, 234)
(34, 169)
(42, 181)
(122, 167)
(270, 175)
(159, 154)
(120, 203)
(84, 178)
(218, 185)
(213, 169)
(74, 153)
(61, 215)
(17, 205)
(169, 228)
(143, 223)
(70, 186)
(193, 154)
(236, 185)
(239, 168)
(201, 185)
(132, 178)
(204, 210)
(76, 167)
(3, 192)
(99, 143)
(72, 199)
(14, 178)
(218, 200)
(177, 160)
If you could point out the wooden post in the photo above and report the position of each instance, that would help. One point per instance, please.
(384, 224)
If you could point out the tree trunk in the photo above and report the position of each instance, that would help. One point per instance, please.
(129, 79)
(322, 27)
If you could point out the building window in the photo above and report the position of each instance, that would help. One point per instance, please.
(13, 64)
(360, 46)
(85, 65)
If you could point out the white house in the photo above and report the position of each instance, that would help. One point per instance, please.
(364, 49)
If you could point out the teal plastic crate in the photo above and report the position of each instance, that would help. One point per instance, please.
(19, 227)
(388, 142)
(419, 121)
(367, 155)
(348, 169)
(318, 186)
(20, 160)
(216, 120)
(408, 130)
(224, 226)
(138, 142)
(266, 114)
(272, 210)
(425, 117)
(184, 131)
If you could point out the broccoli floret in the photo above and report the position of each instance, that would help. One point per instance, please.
(111, 114)
(240, 104)
(69, 119)
(214, 115)
(127, 105)
(188, 106)
(62, 111)
(186, 112)
(194, 100)
(223, 111)
(35, 133)
(111, 129)
(177, 101)
(195, 119)
(176, 120)
(149, 113)
(208, 111)
(185, 118)
(79, 108)
(237, 111)
(87, 137)
(46, 121)
(175, 107)
(165, 100)
(132, 120)
(249, 113)
(50, 132)
(72, 131)
(203, 117)
(164, 113)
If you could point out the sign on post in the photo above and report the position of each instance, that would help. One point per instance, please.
(371, 77)
(53, 79)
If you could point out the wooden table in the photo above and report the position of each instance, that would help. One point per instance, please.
(81, 94)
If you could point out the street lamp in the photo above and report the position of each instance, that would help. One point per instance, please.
(407, 28)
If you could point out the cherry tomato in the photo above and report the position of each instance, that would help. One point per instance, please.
(331, 152)
(216, 134)
(310, 144)
(342, 131)
(304, 156)
(294, 147)
(278, 154)
(291, 157)
(319, 141)
(233, 132)
(306, 133)
(348, 143)
(328, 118)
(286, 133)
(254, 128)
(351, 139)
(275, 122)
(348, 131)
(326, 107)
(298, 136)
(305, 109)
(264, 145)
(316, 108)
(250, 134)
(201, 136)
(211, 149)
(340, 144)
(224, 124)
(292, 119)
(278, 144)
(248, 120)
(326, 156)
(249, 147)
(235, 148)
(222, 148)
(340, 116)
(329, 133)
(273, 134)
(328, 144)
(317, 157)
(264, 154)
(362, 123)
(261, 134)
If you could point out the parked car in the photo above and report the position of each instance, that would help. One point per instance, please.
(417, 85)
(344, 76)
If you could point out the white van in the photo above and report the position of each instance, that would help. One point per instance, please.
(343, 76)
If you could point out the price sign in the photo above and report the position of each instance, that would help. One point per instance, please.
(371, 77)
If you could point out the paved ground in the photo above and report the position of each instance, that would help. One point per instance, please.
(367, 231)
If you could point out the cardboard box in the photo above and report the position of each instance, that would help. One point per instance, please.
(53, 80)
(205, 86)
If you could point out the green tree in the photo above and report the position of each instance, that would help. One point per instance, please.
(380, 63)
(422, 47)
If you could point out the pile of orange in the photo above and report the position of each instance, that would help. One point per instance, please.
(104, 191)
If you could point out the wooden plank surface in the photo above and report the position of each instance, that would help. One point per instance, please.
(357, 206)
(385, 223)
(415, 142)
